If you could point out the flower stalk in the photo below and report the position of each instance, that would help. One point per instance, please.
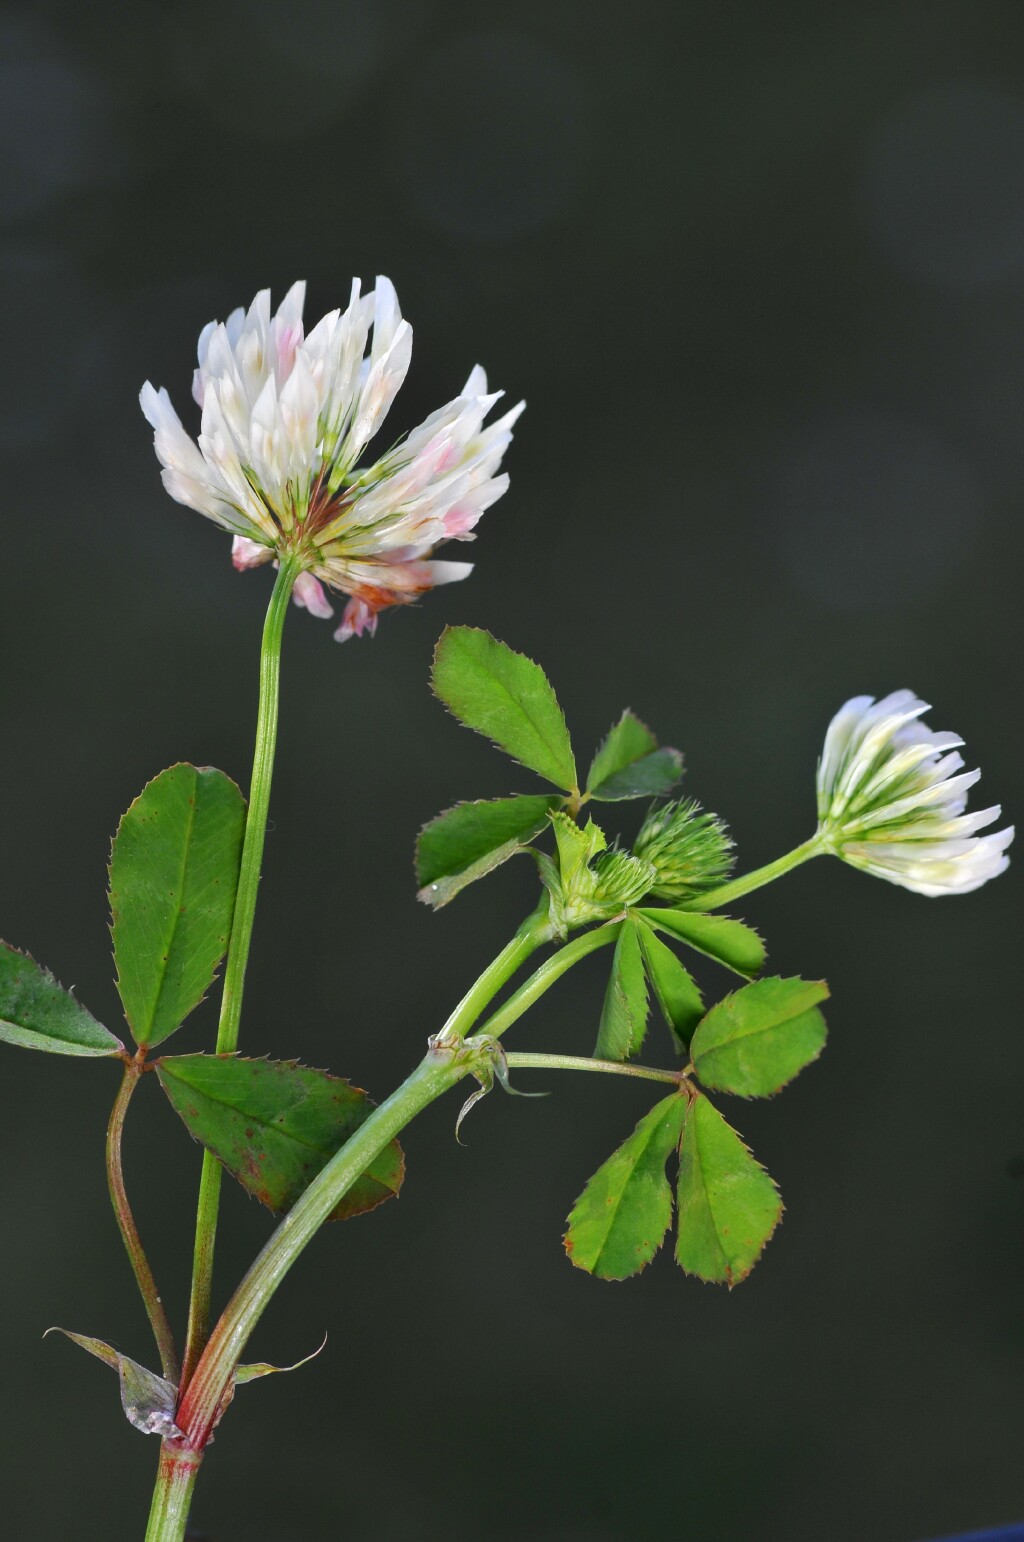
(238, 947)
(757, 878)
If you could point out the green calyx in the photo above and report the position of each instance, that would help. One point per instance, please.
(591, 882)
(690, 850)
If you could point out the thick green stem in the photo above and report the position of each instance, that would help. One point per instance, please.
(543, 978)
(727, 892)
(172, 1496)
(238, 947)
(525, 1060)
(444, 1066)
(197, 1412)
(129, 1231)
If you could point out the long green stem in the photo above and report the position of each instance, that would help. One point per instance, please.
(443, 1067)
(172, 1495)
(155, 1309)
(727, 892)
(526, 1060)
(532, 934)
(238, 947)
(197, 1413)
(543, 978)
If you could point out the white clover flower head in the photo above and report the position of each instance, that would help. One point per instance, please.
(286, 417)
(892, 795)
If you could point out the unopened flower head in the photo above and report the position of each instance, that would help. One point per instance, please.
(892, 797)
(690, 850)
(286, 417)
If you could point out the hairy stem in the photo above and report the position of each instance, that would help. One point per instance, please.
(155, 1310)
(172, 1495)
(238, 947)
(527, 1061)
(727, 892)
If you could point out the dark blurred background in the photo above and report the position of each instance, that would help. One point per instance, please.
(759, 271)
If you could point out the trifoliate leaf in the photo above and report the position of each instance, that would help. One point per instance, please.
(507, 698)
(630, 765)
(173, 876)
(620, 1220)
(275, 1124)
(624, 1016)
(732, 943)
(728, 1205)
(472, 839)
(675, 988)
(37, 1013)
(756, 1040)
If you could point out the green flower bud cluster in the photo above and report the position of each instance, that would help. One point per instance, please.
(690, 850)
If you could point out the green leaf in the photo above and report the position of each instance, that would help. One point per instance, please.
(674, 986)
(275, 1124)
(728, 1205)
(624, 1017)
(620, 1220)
(732, 943)
(757, 1039)
(37, 1013)
(173, 876)
(471, 839)
(630, 765)
(507, 698)
(148, 1400)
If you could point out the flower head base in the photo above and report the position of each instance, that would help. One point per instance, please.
(286, 416)
(691, 851)
(892, 795)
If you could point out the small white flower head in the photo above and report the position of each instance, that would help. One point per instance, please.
(286, 417)
(892, 796)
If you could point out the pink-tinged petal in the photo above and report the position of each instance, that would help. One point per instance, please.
(309, 595)
(357, 618)
(458, 522)
(249, 554)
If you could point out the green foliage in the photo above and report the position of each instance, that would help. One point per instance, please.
(730, 942)
(691, 851)
(173, 875)
(757, 1039)
(674, 987)
(620, 1220)
(728, 1205)
(630, 765)
(624, 1016)
(471, 839)
(37, 1013)
(507, 698)
(275, 1124)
